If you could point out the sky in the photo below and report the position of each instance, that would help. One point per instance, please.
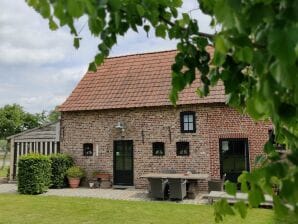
(39, 68)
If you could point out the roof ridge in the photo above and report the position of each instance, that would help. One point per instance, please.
(144, 53)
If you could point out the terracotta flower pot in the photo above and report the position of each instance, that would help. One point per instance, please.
(74, 182)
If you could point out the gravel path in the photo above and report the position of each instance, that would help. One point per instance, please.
(8, 188)
(115, 194)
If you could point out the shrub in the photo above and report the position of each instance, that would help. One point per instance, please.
(34, 174)
(60, 164)
(75, 172)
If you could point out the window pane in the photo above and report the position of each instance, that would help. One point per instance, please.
(185, 126)
(190, 126)
(182, 148)
(158, 148)
(185, 118)
(190, 118)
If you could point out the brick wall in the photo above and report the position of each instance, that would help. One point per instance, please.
(213, 121)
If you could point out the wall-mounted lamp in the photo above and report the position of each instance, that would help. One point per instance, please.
(120, 126)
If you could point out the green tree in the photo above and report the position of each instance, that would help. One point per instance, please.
(54, 115)
(13, 119)
(3, 145)
(255, 56)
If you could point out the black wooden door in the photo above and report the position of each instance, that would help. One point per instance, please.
(234, 158)
(123, 162)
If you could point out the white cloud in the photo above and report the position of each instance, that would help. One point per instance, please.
(39, 68)
(26, 39)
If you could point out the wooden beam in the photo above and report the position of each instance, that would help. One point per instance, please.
(11, 159)
(46, 148)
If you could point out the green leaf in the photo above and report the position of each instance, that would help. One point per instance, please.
(76, 42)
(75, 8)
(222, 208)
(244, 54)
(221, 44)
(231, 188)
(185, 20)
(95, 25)
(218, 58)
(160, 30)
(260, 159)
(279, 207)
(117, 20)
(224, 14)
(92, 67)
(147, 28)
(255, 196)
(52, 24)
(174, 12)
(268, 147)
(114, 4)
(282, 42)
(201, 42)
(242, 208)
(99, 58)
(283, 73)
(178, 81)
(45, 9)
(243, 180)
(141, 10)
(177, 3)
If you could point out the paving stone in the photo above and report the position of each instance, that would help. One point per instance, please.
(115, 194)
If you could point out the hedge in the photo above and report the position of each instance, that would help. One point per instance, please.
(34, 174)
(60, 163)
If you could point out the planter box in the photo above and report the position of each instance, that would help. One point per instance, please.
(215, 185)
(105, 184)
(103, 176)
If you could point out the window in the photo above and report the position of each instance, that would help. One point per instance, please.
(158, 148)
(88, 149)
(182, 148)
(188, 122)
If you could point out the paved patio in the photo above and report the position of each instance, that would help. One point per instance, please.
(129, 194)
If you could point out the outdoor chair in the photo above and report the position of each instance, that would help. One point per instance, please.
(177, 188)
(158, 188)
(216, 184)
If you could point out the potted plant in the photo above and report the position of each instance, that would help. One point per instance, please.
(74, 175)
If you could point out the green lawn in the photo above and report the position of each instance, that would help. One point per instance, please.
(38, 209)
(3, 172)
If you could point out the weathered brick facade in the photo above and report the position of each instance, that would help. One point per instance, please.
(213, 121)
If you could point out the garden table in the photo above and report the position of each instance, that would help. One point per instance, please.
(192, 179)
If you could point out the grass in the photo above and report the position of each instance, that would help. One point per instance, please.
(39, 209)
(3, 172)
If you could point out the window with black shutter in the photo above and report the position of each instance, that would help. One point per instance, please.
(182, 148)
(188, 122)
(88, 149)
(158, 148)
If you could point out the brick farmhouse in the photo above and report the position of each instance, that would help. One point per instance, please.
(119, 120)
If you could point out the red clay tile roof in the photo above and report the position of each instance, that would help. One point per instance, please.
(140, 80)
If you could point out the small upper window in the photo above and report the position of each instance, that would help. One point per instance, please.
(188, 122)
(158, 148)
(182, 148)
(88, 149)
